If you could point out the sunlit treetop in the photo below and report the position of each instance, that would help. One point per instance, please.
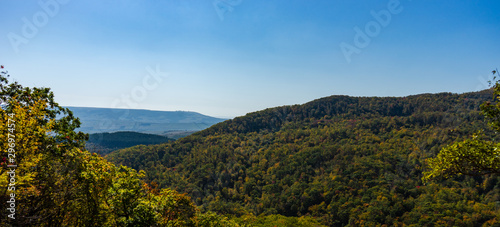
(63, 131)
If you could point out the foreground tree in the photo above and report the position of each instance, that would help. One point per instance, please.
(51, 180)
(35, 135)
(475, 156)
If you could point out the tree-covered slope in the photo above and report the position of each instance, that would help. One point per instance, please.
(344, 160)
(104, 143)
(48, 179)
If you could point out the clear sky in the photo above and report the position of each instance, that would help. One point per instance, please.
(226, 58)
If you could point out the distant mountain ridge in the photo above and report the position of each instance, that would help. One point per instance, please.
(99, 120)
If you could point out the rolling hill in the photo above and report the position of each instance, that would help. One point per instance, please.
(343, 160)
(99, 120)
(104, 143)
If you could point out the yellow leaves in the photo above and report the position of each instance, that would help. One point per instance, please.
(381, 198)
(141, 174)
(471, 157)
(27, 137)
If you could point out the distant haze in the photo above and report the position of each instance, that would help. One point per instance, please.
(96, 120)
(246, 55)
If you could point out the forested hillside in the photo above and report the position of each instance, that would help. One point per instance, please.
(104, 143)
(342, 160)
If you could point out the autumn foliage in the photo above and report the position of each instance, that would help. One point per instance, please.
(58, 183)
(335, 161)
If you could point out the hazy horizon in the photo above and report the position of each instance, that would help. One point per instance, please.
(226, 58)
(231, 117)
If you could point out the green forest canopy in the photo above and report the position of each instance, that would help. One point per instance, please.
(104, 143)
(342, 160)
(49, 179)
(334, 161)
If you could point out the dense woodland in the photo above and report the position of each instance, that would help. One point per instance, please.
(335, 161)
(47, 178)
(339, 160)
(104, 143)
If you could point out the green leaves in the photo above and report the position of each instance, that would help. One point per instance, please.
(352, 162)
(60, 184)
(473, 157)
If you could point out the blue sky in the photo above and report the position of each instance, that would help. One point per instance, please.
(243, 55)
